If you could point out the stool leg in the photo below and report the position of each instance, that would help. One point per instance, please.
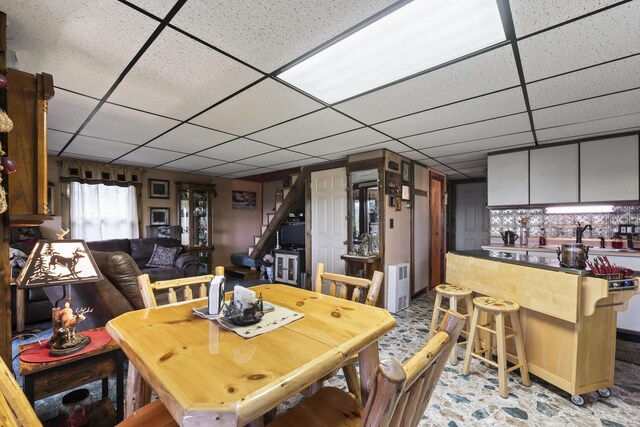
(469, 302)
(453, 306)
(502, 353)
(436, 314)
(522, 358)
(470, 341)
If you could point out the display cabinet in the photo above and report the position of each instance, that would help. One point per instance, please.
(195, 212)
(288, 266)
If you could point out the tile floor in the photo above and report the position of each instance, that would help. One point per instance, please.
(474, 400)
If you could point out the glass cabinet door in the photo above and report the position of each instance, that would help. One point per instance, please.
(183, 207)
(200, 218)
(292, 268)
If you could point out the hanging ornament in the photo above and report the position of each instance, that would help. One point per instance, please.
(5, 122)
(3, 201)
(8, 166)
(3, 81)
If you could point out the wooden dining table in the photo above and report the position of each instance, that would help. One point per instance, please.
(207, 375)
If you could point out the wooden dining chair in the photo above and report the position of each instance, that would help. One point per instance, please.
(15, 409)
(399, 395)
(138, 392)
(361, 290)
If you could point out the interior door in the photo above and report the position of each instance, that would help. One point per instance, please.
(472, 216)
(437, 227)
(328, 219)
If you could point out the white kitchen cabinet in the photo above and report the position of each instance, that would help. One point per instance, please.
(508, 179)
(287, 266)
(609, 170)
(553, 174)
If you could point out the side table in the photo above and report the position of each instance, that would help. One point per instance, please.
(47, 378)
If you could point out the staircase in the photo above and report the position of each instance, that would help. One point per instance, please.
(272, 220)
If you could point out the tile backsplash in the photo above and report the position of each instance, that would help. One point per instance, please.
(563, 225)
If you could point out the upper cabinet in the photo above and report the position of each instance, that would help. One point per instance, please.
(508, 179)
(554, 174)
(27, 103)
(609, 170)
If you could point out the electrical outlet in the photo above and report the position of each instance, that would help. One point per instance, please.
(390, 222)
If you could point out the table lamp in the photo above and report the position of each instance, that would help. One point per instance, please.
(61, 263)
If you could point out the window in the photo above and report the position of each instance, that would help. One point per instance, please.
(100, 212)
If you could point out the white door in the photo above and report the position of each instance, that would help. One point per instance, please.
(472, 216)
(328, 219)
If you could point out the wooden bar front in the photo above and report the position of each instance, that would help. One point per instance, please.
(569, 320)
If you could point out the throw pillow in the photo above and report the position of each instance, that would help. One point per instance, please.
(163, 256)
(17, 258)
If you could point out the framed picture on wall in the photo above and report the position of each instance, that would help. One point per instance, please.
(392, 183)
(158, 189)
(158, 216)
(406, 172)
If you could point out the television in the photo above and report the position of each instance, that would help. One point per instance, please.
(292, 234)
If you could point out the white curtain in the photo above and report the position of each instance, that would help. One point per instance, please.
(100, 212)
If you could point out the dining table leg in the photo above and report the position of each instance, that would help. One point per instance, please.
(368, 359)
(138, 392)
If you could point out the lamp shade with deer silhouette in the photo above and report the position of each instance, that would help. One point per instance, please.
(61, 263)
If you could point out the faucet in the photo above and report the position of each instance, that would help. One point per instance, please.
(579, 232)
(601, 241)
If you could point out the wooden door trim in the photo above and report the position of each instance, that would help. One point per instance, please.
(441, 178)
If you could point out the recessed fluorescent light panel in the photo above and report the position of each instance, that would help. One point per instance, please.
(580, 209)
(413, 38)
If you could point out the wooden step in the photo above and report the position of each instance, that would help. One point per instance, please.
(247, 273)
(256, 239)
(264, 227)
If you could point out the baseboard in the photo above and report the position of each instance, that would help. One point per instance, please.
(627, 335)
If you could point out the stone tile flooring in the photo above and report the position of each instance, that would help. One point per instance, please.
(474, 400)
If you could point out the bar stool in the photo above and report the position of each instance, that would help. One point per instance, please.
(453, 292)
(498, 308)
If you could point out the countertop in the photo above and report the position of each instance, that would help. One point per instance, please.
(546, 263)
(551, 248)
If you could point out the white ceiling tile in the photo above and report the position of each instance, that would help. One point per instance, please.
(363, 137)
(151, 156)
(57, 140)
(394, 146)
(475, 76)
(258, 107)
(237, 149)
(531, 16)
(464, 157)
(84, 44)
(271, 34)
(490, 128)
(429, 162)
(471, 164)
(500, 142)
(67, 110)
(179, 77)
(250, 172)
(413, 155)
(191, 163)
(274, 158)
(188, 138)
(591, 109)
(228, 168)
(625, 123)
(159, 8)
(482, 108)
(307, 128)
(298, 163)
(126, 125)
(608, 35)
(87, 146)
(93, 158)
(442, 168)
(595, 81)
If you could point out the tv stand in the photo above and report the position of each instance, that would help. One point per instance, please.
(289, 266)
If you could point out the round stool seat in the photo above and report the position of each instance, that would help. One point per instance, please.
(451, 290)
(496, 304)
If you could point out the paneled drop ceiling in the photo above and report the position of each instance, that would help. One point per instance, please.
(191, 85)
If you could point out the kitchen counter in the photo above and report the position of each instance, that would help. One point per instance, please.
(548, 263)
(593, 250)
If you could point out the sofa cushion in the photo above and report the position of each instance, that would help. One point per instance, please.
(141, 249)
(120, 269)
(163, 256)
(111, 245)
(242, 259)
(165, 273)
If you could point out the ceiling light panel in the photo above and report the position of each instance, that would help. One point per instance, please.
(84, 44)
(605, 36)
(415, 37)
(475, 131)
(363, 137)
(57, 140)
(482, 108)
(274, 158)
(188, 138)
(179, 77)
(531, 16)
(624, 123)
(270, 34)
(591, 109)
(67, 110)
(87, 146)
(481, 74)
(159, 8)
(150, 156)
(307, 128)
(191, 163)
(489, 143)
(265, 104)
(595, 81)
(237, 149)
(126, 125)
